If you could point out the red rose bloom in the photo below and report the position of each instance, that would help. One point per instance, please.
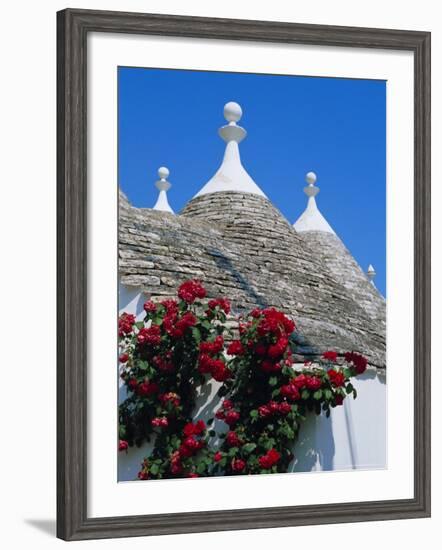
(149, 307)
(150, 336)
(132, 384)
(160, 422)
(238, 464)
(227, 404)
(222, 303)
(217, 456)
(290, 391)
(339, 399)
(233, 440)
(269, 459)
(264, 411)
(336, 378)
(125, 324)
(359, 361)
(285, 408)
(330, 355)
(147, 388)
(124, 357)
(300, 381)
(123, 445)
(231, 418)
(189, 291)
(235, 348)
(313, 383)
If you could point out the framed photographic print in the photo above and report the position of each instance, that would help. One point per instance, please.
(243, 274)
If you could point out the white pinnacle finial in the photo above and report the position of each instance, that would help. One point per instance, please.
(232, 112)
(371, 273)
(311, 190)
(232, 132)
(231, 175)
(311, 178)
(312, 219)
(163, 186)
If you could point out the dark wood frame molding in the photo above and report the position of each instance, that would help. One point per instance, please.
(73, 27)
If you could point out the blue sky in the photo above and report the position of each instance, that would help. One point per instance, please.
(334, 127)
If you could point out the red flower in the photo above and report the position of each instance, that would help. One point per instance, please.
(149, 307)
(313, 383)
(212, 347)
(160, 422)
(170, 397)
(132, 384)
(189, 291)
(264, 411)
(175, 463)
(300, 381)
(330, 355)
(220, 414)
(227, 404)
(222, 303)
(194, 429)
(231, 418)
(150, 336)
(290, 391)
(125, 324)
(192, 475)
(235, 348)
(359, 361)
(285, 408)
(339, 399)
(238, 464)
(147, 388)
(124, 357)
(233, 440)
(336, 378)
(123, 445)
(275, 351)
(269, 459)
(143, 475)
(217, 456)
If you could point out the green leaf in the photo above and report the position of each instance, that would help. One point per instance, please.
(328, 394)
(355, 393)
(139, 324)
(196, 334)
(273, 380)
(254, 414)
(249, 447)
(143, 365)
(209, 422)
(201, 468)
(317, 395)
(275, 393)
(305, 394)
(349, 388)
(212, 433)
(154, 469)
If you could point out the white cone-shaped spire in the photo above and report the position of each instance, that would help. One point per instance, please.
(371, 274)
(231, 175)
(312, 219)
(163, 186)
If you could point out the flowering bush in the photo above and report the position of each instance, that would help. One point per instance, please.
(181, 344)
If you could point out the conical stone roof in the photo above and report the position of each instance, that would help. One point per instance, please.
(326, 245)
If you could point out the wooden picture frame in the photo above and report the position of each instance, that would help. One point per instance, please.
(73, 27)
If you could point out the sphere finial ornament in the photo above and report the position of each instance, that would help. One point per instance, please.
(232, 111)
(311, 178)
(163, 172)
